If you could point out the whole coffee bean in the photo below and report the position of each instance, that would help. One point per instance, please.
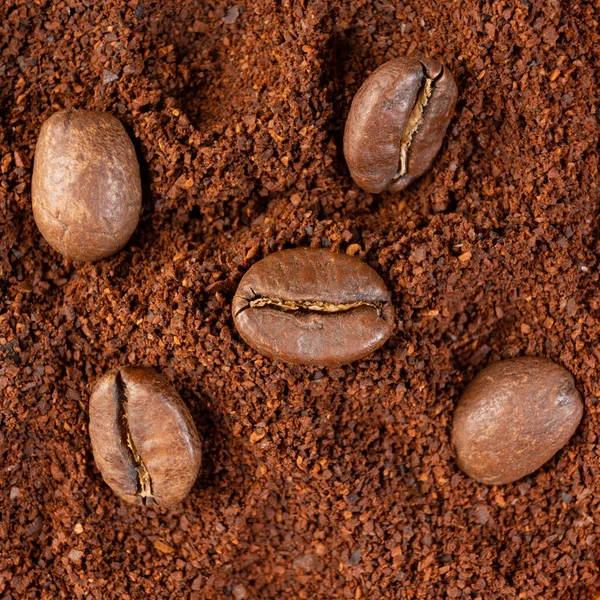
(143, 437)
(397, 123)
(314, 307)
(513, 417)
(86, 189)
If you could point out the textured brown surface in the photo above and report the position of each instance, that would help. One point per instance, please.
(312, 306)
(513, 417)
(86, 193)
(318, 483)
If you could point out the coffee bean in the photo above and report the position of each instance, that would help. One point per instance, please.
(143, 437)
(513, 417)
(397, 123)
(314, 307)
(86, 189)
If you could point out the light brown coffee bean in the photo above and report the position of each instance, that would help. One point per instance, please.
(313, 306)
(143, 437)
(513, 417)
(86, 189)
(397, 123)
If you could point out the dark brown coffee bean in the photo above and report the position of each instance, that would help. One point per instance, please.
(513, 417)
(86, 189)
(397, 123)
(314, 307)
(143, 437)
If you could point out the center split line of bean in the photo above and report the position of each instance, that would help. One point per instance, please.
(313, 305)
(144, 481)
(415, 121)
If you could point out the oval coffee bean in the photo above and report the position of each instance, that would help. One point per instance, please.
(86, 189)
(143, 437)
(313, 306)
(397, 123)
(513, 417)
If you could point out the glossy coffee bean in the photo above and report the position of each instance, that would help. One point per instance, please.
(513, 417)
(143, 437)
(313, 306)
(86, 189)
(397, 123)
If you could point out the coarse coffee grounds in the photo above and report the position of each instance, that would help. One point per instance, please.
(316, 483)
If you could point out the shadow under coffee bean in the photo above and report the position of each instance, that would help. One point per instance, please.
(313, 306)
(143, 437)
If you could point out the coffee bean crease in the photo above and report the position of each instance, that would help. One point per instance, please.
(313, 305)
(415, 120)
(144, 481)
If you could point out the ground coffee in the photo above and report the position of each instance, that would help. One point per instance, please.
(316, 482)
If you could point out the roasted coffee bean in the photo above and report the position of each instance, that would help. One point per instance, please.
(86, 189)
(143, 437)
(513, 417)
(313, 306)
(397, 123)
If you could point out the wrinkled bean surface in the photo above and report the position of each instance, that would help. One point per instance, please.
(86, 189)
(513, 417)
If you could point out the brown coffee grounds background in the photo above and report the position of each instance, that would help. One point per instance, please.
(317, 483)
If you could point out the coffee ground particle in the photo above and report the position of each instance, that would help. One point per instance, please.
(352, 492)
